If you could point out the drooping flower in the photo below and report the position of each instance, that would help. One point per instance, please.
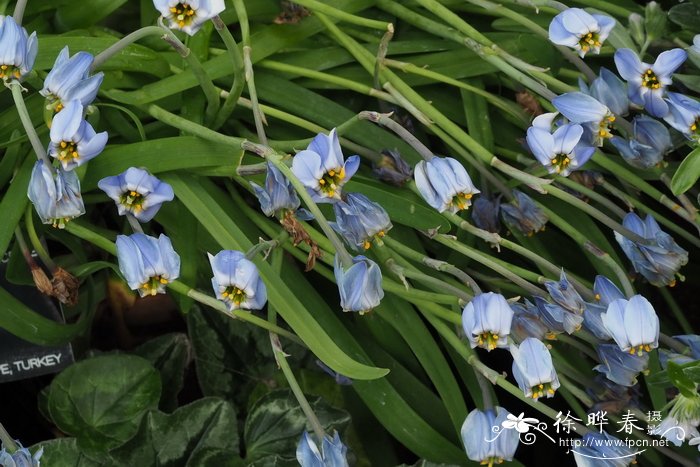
(658, 263)
(392, 168)
(647, 83)
(360, 285)
(633, 324)
(478, 432)
(487, 320)
(526, 322)
(333, 452)
(322, 169)
(682, 420)
(587, 111)
(581, 31)
(70, 79)
(533, 369)
(359, 220)
(56, 197)
(278, 193)
(523, 214)
(137, 192)
(684, 115)
(602, 450)
(147, 263)
(557, 318)
(236, 281)
(609, 90)
(565, 295)
(17, 50)
(593, 321)
(650, 142)
(560, 152)
(73, 140)
(485, 213)
(606, 291)
(188, 15)
(618, 366)
(444, 184)
(21, 457)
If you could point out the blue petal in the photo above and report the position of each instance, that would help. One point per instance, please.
(668, 62)
(566, 138)
(628, 64)
(541, 143)
(580, 108)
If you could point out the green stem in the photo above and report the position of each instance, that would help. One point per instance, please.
(320, 7)
(36, 242)
(18, 15)
(594, 195)
(124, 42)
(7, 442)
(238, 72)
(385, 120)
(27, 124)
(258, 116)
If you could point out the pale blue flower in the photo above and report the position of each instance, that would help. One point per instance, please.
(359, 220)
(137, 192)
(633, 324)
(618, 366)
(478, 432)
(278, 194)
(587, 111)
(647, 83)
(392, 168)
(523, 214)
(333, 452)
(602, 450)
(236, 281)
(659, 262)
(322, 169)
(610, 90)
(189, 15)
(56, 196)
(17, 50)
(360, 285)
(73, 140)
(650, 143)
(593, 321)
(694, 51)
(565, 295)
(444, 184)
(526, 322)
(684, 115)
(70, 79)
(557, 318)
(606, 291)
(560, 152)
(486, 321)
(533, 369)
(147, 263)
(485, 213)
(581, 31)
(21, 457)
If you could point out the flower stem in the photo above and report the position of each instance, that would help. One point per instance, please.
(321, 7)
(238, 70)
(27, 124)
(7, 442)
(36, 242)
(124, 42)
(258, 116)
(18, 14)
(385, 120)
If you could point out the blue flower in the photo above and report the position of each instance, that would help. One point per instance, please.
(392, 168)
(333, 452)
(526, 322)
(557, 318)
(444, 184)
(56, 198)
(137, 192)
(606, 291)
(73, 140)
(658, 263)
(610, 90)
(650, 143)
(618, 366)
(647, 83)
(478, 432)
(582, 31)
(20, 458)
(633, 324)
(236, 281)
(533, 369)
(70, 79)
(586, 110)
(360, 286)
(485, 213)
(188, 15)
(322, 169)
(565, 295)
(17, 50)
(486, 321)
(147, 263)
(560, 152)
(523, 214)
(359, 220)
(593, 320)
(278, 193)
(602, 450)
(684, 115)
(694, 51)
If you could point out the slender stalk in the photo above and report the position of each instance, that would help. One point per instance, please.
(429, 280)
(27, 124)
(238, 71)
(612, 207)
(7, 442)
(258, 116)
(134, 223)
(385, 120)
(124, 42)
(18, 14)
(320, 7)
(36, 242)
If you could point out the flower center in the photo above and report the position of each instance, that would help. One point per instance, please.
(561, 162)
(132, 200)
(68, 151)
(604, 126)
(183, 14)
(152, 285)
(541, 390)
(9, 71)
(491, 461)
(488, 340)
(649, 80)
(461, 200)
(330, 182)
(60, 222)
(368, 242)
(695, 126)
(234, 294)
(640, 349)
(588, 41)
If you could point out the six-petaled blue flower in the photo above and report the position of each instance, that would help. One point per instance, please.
(485, 439)
(650, 142)
(523, 214)
(565, 295)
(236, 281)
(188, 15)
(56, 196)
(684, 115)
(322, 169)
(633, 324)
(17, 50)
(333, 452)
(526, 322)
(609, 90)
(582, 31)
(585, 110)
(360, 285)
(444, 184)
(486, 321)
(359, 220)
(618, 366)
(70, 79)
(560, 152)
(73, 140)
(278, 194)
(137, 192)
(147, 263)
(533, 369)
